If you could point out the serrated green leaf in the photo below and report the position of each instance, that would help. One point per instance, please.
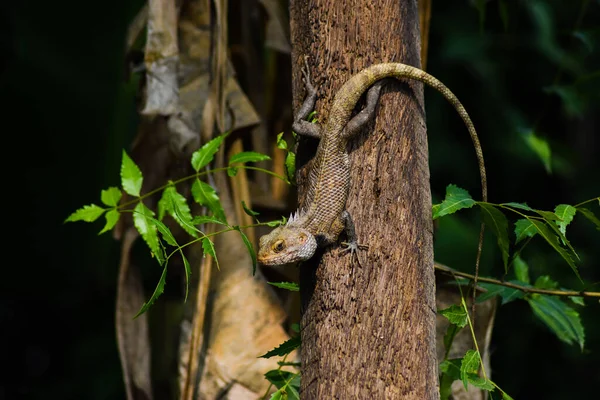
(506, 294)
(456, 314)
(248, 156)
(553, 241)
(207, 219)
(521, 269)
(249, 247)
(541, 148)
(545, 282)
(291, 286)
(88, 213)
(131, 176)
(470, 364)
(249, 211)
(281, 143)
(160, 288)
(176, 205)
(284, 349)
(590, 216)
(111, 196)
(290, 167)
(456, 199)
(559, 317)
(205, 195)
(147, 229)
(112, 217)
(209, 248)
(165, 232)
(205, 154)
(566, 213)
(524, 228)
(499, 226)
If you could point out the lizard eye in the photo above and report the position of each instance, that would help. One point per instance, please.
(278, 246)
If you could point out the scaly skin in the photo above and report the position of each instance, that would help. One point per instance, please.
(324, 217)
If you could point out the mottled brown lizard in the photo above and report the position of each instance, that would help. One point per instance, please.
(324, 216)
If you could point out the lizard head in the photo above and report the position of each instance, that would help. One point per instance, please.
(286, 245)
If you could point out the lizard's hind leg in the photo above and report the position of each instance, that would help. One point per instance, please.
(366, 114)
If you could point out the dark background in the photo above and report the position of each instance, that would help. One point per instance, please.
(68, 112)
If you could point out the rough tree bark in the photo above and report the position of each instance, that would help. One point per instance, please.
(369, 332)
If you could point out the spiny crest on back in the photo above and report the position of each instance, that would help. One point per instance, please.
(294, 218)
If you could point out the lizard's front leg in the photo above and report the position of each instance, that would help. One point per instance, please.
(351, 245)
(366, 114)
(300, 125)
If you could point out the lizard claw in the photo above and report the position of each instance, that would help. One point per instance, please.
(306, 77)
(353, 248)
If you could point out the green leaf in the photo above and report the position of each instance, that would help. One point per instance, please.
(131, 176)
(274, 224)
(521, 269)
(552, 240)
(290, 167)
(111, 196)
(450, 372)
(577, 300)
(112, 217)
(207, 219)
(480, 382)
(287, 382)
(249, 247)
(147, 229)
(499, 226)
(281, 143)
(176, 205)
(165, 232)
(505, 396)
(205, 195)
(209, 248)
(449, 338)
(232, 171)
(524, 228)
(456, 199)
(541, 148)
(204, 155)
(160, 288)
(590, 216)
(545, 282)
(503, 12)
(249, 211)
(291, 286)
(188, 272)
(521, 206)
(88, 213)
(295, 328)
(456, 314)
(470, 364)
(559, 317)
(284, 349)
(506, 294)
(248, 156)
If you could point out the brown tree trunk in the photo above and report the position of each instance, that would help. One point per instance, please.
(369, 332)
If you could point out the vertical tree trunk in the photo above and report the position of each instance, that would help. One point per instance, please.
(369, 332)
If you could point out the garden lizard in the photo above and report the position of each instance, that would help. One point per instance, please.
(324, 215)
